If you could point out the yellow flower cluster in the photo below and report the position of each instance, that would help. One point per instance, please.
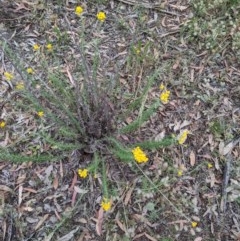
(106, 204)
(164, 97)
(210, 165)
(78, 10)
(139, 155)
(194, 224)
(20, 86)
(36, 47)
(40, 114)
(2, 124)
(49, 47)
(101, 16)
(82, 173)
(183, 137)
(8, 76)
(30, 71)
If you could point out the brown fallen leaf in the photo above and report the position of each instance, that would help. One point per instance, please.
(150, 237)
(192, 158)
(20, 191)
(99, 221)
(73, 181)
(42, 220)
(55, 182)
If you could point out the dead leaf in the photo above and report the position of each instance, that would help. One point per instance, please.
(42, 220)
(150, 237)
(192, 158)
(228, 148)
(55, 182)
(69, 236)
(99, 222)
(80, 190)
(198, 239)
(49, 237)
(121, 225)
(73, 181)
(176, 65)
(180, 8)
(29, 190)
(20, 191)
(6, 189)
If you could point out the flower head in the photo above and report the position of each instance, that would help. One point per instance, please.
(139, 155)
(106, 204)
(183, 137)
(8, 76)
(82, 173)
(210, 165)
(36, 47)
(2, 124)
(137, 50)
(180, 173)
(30, 71)
(49, 47)
(78, 10)
(40, 114)
(162, 86)
(164, 97)
(20, 86)
(101, 16)
(194, 224)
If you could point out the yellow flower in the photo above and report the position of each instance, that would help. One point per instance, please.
(101, 16)
(180, 173)
(106, 204)
(137, 50)
(30, 71)
(139, 155)
(36, 47)
(194, 224)
(49, 47)
(40, 114)
(210, 165)
(8, 76)
(78, 10)
(82, 173)
(2, 124)
(164, 97)
(183, 137)
(20, 86)
(162, 86)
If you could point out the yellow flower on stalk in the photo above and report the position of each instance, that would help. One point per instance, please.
(78, 10)
(82, 173)
(49, 47)
(194, 224)
(180, 173)
(101, 16)
(164, 97)
(40, 114)
(183, 137)
(36, 47)
(162, 86)
(8, 76)
(20, 86)
(30, 71)
(2, 124)
(106, 204)
(139, 155)
(210, 165)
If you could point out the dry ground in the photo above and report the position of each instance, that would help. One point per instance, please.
(46, 201)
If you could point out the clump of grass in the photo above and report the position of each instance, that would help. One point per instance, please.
(80, 112)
